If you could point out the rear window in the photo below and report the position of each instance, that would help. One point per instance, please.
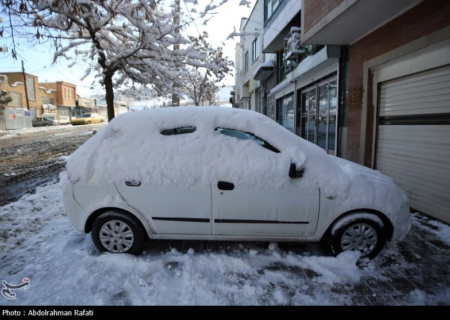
(180, 130)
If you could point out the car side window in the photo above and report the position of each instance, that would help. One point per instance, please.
(247, 136)
(180, 130)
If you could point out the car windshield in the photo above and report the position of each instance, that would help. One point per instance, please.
(86, 115)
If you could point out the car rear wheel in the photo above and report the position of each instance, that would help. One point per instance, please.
(358, 232)
(89, 122)
(118, 232)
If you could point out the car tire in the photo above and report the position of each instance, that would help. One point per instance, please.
(89, 122)
(129, 235)
(359, 231)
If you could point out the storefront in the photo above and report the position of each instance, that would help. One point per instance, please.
(84, 105)
(318, 114)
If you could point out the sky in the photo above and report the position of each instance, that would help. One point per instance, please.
(38, 61)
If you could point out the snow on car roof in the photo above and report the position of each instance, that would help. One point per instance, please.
(131, 147)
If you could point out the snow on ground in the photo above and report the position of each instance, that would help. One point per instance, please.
(64, 268)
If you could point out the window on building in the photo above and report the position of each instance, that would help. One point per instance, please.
(285, 116)
(246, 61)
(16, 99)
(255, 49)
(47, 100)
(318, 114)
(284, 66)
(30, 88)
(270, 6)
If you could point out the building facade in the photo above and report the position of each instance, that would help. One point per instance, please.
(397, 117)
(368, 81)
(34, 99)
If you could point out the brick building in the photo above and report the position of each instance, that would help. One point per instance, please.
(395, 111)
(369, 82)
(57, 98)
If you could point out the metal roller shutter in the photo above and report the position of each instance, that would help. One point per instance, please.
(413, 144)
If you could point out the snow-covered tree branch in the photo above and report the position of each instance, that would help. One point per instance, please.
(127, 41)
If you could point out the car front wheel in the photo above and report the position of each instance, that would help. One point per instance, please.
(118, 232)
(362, 232)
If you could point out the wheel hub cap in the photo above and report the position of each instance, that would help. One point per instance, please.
(116, 236)
(362, 237)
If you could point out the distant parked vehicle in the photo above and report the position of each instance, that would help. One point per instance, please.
(51, 116)
(44, 122)
(88, 118)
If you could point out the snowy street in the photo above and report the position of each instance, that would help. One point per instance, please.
(64, 268)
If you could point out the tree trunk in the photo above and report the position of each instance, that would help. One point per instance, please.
(109, 95)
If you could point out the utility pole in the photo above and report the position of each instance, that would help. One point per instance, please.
(25, 84)
(176, 22)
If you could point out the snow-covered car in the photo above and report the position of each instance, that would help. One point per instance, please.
(87, 118)
(210, 173)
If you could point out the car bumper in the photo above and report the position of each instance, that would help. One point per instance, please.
(76, 214)
(402, 223)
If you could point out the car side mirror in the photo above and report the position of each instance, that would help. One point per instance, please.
(294, 173)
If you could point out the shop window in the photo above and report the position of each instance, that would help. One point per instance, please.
(318, 115)
(285, 115)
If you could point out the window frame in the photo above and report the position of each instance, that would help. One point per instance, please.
(16, 97)
(31, 90)
(255, 49)
(246, 62)
(270, 7)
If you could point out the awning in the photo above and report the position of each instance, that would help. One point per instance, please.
(244, 99)
(49, 106)
(264, 71)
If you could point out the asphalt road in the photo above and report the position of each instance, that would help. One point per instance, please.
(33, 157)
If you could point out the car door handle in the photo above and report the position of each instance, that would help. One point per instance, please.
(133, 183)
(223, 185)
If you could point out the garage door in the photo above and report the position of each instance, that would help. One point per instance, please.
(413, 144)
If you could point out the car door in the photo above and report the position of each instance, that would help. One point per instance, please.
(262, 211)
(172, 210)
